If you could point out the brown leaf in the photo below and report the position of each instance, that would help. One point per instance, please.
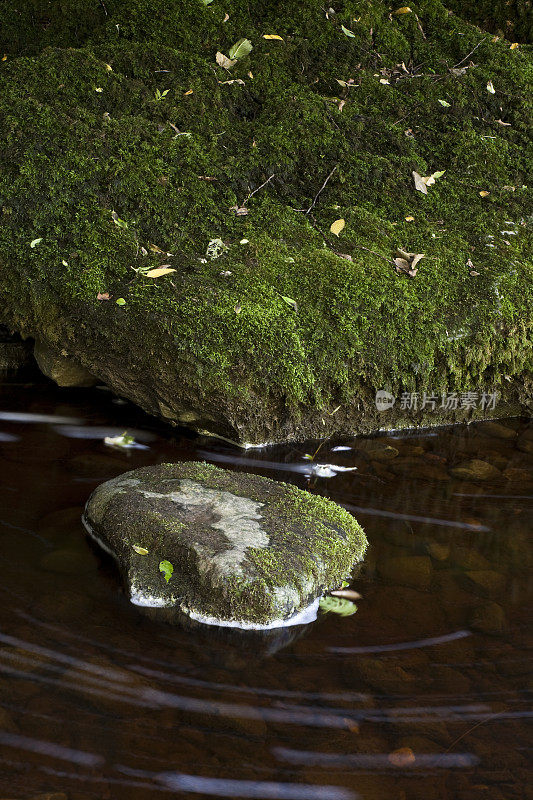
(402, 265)
(403, 757)
(224, 61)
(420, 185)
(349, 594)
(102, 296)
(418, 257)
(239, 211)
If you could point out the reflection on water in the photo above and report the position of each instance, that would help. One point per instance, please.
(424, 693)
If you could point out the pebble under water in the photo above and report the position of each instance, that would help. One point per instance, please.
(423, 693)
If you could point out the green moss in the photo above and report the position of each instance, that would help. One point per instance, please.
(73, 155)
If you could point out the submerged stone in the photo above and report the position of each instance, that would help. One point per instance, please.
(246, 551)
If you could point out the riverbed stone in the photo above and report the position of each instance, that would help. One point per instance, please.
(475, 470)
(246, 550)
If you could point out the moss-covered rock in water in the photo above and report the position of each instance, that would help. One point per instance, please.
(129, 148)
(223, 547)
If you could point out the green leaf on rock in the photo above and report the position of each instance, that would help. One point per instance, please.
(348, 32)
(240, 48)
(337, 605)
(290, 302)
(167, 569)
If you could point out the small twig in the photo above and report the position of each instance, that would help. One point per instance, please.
(482, 722)
(470, 53)
(256, 190)
(103, 6)
(420, 27)
(321, 190)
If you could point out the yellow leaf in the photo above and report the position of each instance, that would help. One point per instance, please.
(272, 36)
(337, 226)
(490, 88)
(156, 273)
(409, 219)
(108, 67)
(141, 550)
(402, 10)
(484, 194)
(4, 57)
(190, 91)
(514, 46)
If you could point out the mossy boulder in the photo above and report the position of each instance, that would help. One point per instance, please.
(129, 148)
(245, 550)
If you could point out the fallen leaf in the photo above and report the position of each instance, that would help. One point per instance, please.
(118, 222)
(438, 174)
(272, 36)
(484, 193)
(348, 594)
(235, 80)
(337, 605)
(108, 67)
(239, 211)
(65, 263)
(406, 263)
(409, 219)
(4, 57)
(167, 569)
(403, 757)
(337, 226)
(215, 249)
(402, 265)
(102, 296)
(420, 184)
(348, 32)
(237, 309)
(444, 103)
(141, 550)
(159, 271)
(226, 17)
(384, 80)
(189, 91)
(290, 302)
(99, 89)
(514, 46)
(501, 122)
(155, 249)
(240, 48)
(224, 61)
(121, 301)
(403, 10)
(35, 242)
(123, 440)
(490, 88)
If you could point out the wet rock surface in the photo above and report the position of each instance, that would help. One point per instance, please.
(56, 364)
(244, 550)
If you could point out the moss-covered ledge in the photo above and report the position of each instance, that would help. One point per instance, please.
(290, 332)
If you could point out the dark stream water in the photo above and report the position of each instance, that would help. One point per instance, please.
(423, 693)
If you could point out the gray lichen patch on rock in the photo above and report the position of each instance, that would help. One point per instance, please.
(246, 551)
(237, 519)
